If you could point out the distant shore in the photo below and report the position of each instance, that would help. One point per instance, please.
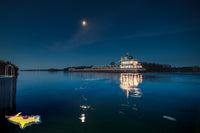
(150, 67)
(53, 70)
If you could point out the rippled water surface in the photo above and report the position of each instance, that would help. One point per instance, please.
(104, 102)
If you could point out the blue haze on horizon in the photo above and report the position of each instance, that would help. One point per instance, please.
(49, 34)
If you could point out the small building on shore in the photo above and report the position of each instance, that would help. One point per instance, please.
(7, 68)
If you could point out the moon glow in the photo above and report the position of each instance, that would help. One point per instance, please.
(84, 23)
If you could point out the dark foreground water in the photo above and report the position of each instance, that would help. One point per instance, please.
(103, 102)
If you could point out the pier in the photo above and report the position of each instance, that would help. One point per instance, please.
(7, 94)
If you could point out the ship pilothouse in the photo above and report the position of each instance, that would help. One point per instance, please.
(128, 62)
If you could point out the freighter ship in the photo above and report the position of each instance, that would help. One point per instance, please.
(128, 65)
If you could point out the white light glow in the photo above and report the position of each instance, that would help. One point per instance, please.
(84, 23)
(82, 118)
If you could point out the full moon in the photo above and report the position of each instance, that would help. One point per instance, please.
(83, 23)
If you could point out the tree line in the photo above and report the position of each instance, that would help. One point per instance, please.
(150, 67)
(154, 67)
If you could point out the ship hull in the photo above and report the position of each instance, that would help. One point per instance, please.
(109, 70)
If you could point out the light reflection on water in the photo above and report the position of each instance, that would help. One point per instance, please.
(129, 82)
(84, 109)
(109, 102)
(82, 118)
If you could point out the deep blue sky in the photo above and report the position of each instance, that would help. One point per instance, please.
(49, 34)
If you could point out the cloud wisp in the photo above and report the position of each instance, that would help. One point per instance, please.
(84, 36)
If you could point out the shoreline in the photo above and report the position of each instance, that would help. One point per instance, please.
(46, 70)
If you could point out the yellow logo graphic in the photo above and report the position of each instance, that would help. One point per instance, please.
(24, 121)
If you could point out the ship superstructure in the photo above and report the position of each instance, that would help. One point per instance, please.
(129, 62)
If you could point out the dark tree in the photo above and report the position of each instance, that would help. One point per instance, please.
(112, 64)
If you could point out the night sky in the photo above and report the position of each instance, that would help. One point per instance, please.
(49, 34)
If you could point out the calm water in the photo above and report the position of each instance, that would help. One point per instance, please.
(105, 102)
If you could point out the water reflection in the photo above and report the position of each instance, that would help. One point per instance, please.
(82, 118)
(84, 110)
(85, 107)
(97, 83)
(129, 82)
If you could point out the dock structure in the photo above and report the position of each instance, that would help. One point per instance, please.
(7, 101)
(7, 94)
